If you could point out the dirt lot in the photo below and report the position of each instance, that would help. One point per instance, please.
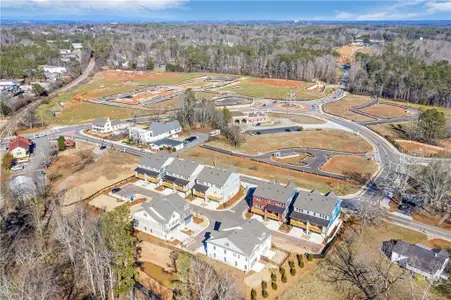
(301, 119)
(143, 77)
(248, 167)
(385, 111)
(341, 107)
(343, 164)
(85, 172)
(328, 139)
(347, 53)
(310, 285)
(294, 160)
(174, 102)
(273, 88)
(416, 148)
(106, 202)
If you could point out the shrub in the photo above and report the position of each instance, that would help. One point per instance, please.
(301, 264)
(293, 272)
(291, 264)
(282, 271)
(284, 278)
(264, 285)
(253, 294)
(55, 176)
(273, 277)
(309, 256)
(274, 286)
(301, 128)
(265, 294)
(61, 145)
(173, 150)
(7, 161)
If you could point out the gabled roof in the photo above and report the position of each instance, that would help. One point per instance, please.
(182, 167)
(100, 122)
(158, 128)
(154, 160)
(167, 142)
(246, 236)
(316, 202)
(21, 142)
(162, 208)
(274, 191)
(418, 256)
(213, 175)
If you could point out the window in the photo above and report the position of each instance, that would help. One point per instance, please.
(225, 251)
(214, 255)
(236, 264)
(145, 228)
(225, 258)
(245, 267)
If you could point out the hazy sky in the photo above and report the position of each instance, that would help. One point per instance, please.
(185, 10)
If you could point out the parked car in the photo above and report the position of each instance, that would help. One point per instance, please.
(115, 190)
(287, 129)
(17, 168)
(258, 124)
(102, 147)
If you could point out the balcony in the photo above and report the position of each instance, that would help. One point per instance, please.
(168, 184)
(214, 198)
(298, 223)
(316, 229)
(153, 179)
(180, 188)
(141, 176)
(199, 194)
(273, 216)
(257, 211)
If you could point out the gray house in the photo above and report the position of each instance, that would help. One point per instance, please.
(163, 216)
(420, 259)
(181, 175)
(152, 167)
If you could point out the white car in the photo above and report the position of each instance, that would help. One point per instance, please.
(17, 168)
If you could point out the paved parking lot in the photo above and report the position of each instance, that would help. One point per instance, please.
(272, 130)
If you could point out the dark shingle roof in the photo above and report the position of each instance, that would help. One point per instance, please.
(158, 128)
(316, 202)
(154, 160)
(418, 256)
(274, 191)
(182, 167)
(246, 236)
(213, 175)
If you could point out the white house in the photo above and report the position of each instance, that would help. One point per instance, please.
(157, 131)
(163, 216)
(77, 46)
(417, 258)
(152, 167)
(241, 246)
(167, 143)
(53, 69)
(10, 83)
(103, 125)
(216, 184)
(65, 51)
(181, 175)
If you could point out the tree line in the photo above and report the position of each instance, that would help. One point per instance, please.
(393, 75)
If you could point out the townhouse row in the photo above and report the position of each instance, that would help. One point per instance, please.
(188, 177)
(309, 210)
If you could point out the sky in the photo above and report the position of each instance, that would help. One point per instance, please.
(220, 10)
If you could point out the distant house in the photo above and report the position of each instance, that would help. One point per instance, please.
(103, 125)
(315, 212)
(272, 200)
(77, 46)
(10, 83)
(163, 217)
(65, 51)
(157, 131)
(241, 246)
(181, 175)
(152, 167)
(216, 184)
(427, 262)
(53, 69)
(20, 147)
(167, 143)
(254, 117)
(69, 143)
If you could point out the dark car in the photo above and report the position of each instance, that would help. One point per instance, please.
(115, 190)
(258, 132)
(287, 129)
(102, 147)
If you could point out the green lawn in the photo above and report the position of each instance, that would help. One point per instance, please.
(252, 88)
(419, 106)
